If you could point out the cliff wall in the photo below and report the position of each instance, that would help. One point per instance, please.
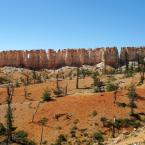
(38, 59)
(133, 53)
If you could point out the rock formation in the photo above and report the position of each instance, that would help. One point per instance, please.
(38, 59)
(133, 53)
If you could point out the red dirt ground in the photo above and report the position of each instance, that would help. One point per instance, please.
(78, 107)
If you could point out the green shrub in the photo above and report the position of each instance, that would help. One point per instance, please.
(129, 73)
(112, 78)
(134, 123)
(45, 142)
(95, 78)
(106, 122)
(30, 142)
(3, 80)
(58, 92)
(125, 122)
(2, 129)
(46, 95)
(142, 118)
(132, 92)
(73, 131)
(17, 84)
(98, 136)
(128, 122)
(111, 87)
(94, 74)
(21, 137)
(61, 138)
(121, 104)
(94, 113)
(118, 123)
(21, 134)
(96, 89)
(103, 119)
(84, 72)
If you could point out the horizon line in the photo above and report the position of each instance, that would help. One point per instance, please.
(59, 49)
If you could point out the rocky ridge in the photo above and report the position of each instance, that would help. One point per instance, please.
(38, 59)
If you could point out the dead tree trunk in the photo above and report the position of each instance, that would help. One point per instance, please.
(115, 96)
(41, 138)
(57, 84)
(77, 79)
(113, 127)
(66, 89)
(25, 91)
(35, 111)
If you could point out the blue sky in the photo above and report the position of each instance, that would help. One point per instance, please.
(58, 24)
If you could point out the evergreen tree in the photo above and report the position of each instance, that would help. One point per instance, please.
(9, 115)
(132, 99)
(126, 61)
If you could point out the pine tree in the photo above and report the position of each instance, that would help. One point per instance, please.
(142, 69)
(132, 99)
(34, 75)
(9, 115)
(126, 61)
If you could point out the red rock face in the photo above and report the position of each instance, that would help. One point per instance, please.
(95, 56)
(111, 56)
(83, 56)
(38, 59)
(51, 55)
(132, 52)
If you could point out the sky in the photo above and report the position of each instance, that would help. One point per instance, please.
(59, 24)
